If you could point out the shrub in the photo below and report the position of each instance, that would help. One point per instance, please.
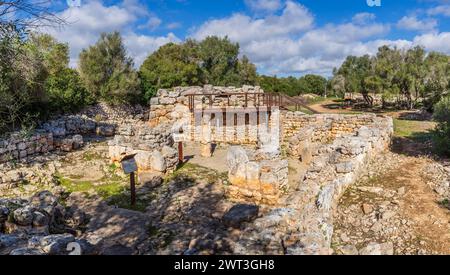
(108, 72)
(65, 91)
(441, 135)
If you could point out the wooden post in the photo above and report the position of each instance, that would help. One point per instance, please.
(246, 103)
(180, 152)
(132, 189)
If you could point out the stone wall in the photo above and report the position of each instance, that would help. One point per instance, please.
(304, 134)
(304, 223)
(66, 133)
(326, 126)
(170, 105)
(256, 177)
(153, 146)
(127, 124)
(209, 121)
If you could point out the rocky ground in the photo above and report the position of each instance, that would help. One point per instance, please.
(400, 207)
(185, 213)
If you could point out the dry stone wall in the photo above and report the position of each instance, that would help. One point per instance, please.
(209, 120)
(256, 176)
(153, 146)
(126, 126)
(66, 132)
(303, 224)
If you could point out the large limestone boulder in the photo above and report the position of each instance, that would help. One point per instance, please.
(158, 162)
(240, 213)
(235, 156)
(143, 160)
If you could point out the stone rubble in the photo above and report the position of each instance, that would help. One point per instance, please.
(39, 225)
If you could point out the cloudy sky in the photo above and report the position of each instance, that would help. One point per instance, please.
(283, 37)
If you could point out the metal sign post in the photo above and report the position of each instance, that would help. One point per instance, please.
(129, 166)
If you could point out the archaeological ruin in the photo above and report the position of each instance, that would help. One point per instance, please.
(285, 170)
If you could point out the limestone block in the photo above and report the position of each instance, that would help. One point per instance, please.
(77, 141)
(206, 150)
(143, 160)
(158, 162)
(235, 156)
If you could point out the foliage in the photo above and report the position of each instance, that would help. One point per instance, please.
(170, 66)
(213, 61)
(107, 71)
(308, 84)
(409, 78)
(65, 91)
(442, 132)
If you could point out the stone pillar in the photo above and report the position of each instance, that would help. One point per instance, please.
(206, 149)
(206, 144)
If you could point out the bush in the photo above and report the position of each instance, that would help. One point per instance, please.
(107, 72)
(441, 135)
(65, 91)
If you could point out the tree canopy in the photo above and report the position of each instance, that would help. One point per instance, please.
(107, 72)
(409, 78)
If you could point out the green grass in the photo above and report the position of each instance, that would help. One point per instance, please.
(411, 128)
(114, 193)
(192, 172)
(88, 156)
(445, 203)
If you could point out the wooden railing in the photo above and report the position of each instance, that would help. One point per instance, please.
(252, 99)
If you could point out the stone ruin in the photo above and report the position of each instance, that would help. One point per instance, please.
(336, 150)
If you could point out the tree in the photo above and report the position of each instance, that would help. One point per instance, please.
(219, 61)
(338, 85)
(171, 65)
(65, 91)
(107, 71)
(247, 71)
(315, 84)
(436, 79)
(18, 68)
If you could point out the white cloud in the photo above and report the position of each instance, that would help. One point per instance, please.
(140, 46)
(434, 42)
(152, 23)
(173, 25)
(440, 10)
(363, 18)
(289, 43)
(242, 28)
(88, 21)
(412, 23)
(264, 5)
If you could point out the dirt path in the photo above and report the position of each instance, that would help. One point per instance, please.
(397, 206)
(421, 204)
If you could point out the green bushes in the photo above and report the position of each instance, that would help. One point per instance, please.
(442, 133)
(107, 72)
(213, 61)
(65, 91)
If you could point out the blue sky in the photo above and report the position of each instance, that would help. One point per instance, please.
(283, 37)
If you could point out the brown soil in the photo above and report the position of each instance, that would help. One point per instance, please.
(420, 204)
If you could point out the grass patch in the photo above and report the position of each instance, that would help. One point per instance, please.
(89, 156)
(122, 200)
(411, 128)
(193, 172)
(445, 203)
